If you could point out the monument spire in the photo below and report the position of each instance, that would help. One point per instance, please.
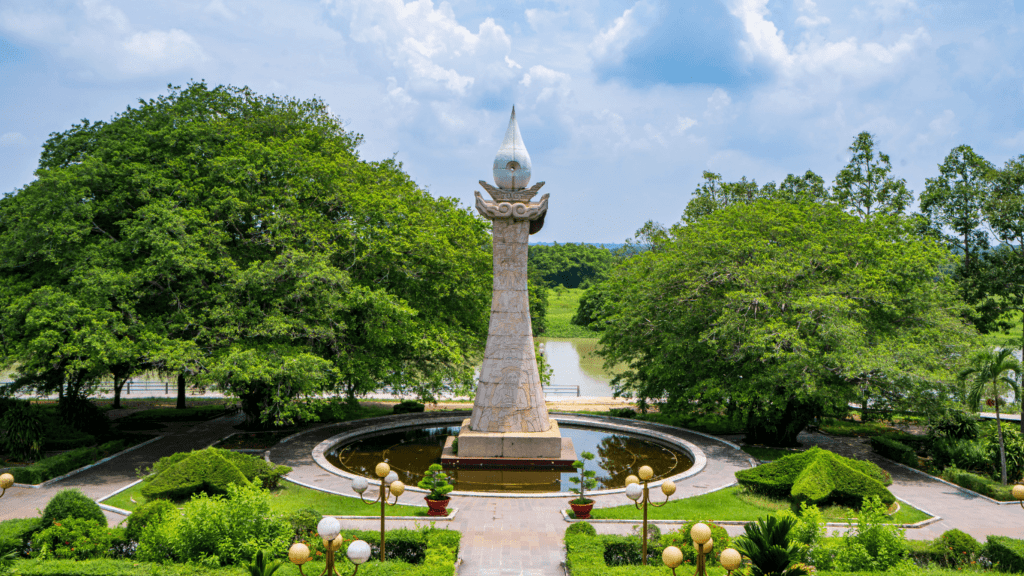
(512, 165)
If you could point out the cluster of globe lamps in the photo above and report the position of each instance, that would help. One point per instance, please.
(329, 528)
(6, 481)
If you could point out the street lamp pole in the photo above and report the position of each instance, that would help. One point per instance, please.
(1018, 494)
(389, 485)
(641, 497)
(329, 529)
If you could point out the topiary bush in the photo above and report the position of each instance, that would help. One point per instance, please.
(201, 471)
(253, 467)
(580, 527)
(956, 549)
(1005, 552)
(22, 431)
(408, 406)
(74, 539)
(894, 450)
(818, 476)
(54, 466)
(15, 534)
(71, 503)
(150, 512)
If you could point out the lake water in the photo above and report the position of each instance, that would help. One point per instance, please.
(574, 364)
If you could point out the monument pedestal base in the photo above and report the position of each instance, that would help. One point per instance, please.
(510, 449)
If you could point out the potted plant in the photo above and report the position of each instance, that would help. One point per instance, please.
(436, 481)
(581, 506)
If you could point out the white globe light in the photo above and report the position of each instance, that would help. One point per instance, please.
(634, 492)
(328, 528)
(391, 478)
(360, 484)
(358, 552)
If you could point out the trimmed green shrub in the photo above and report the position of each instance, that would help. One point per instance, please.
(1006, 553)
(956, 549)
(963, 454)
(55, 466)
(922, 552)
(112, 447)
(215, 530)
(818, 476)
(71, 503)
(953, 424)
(681, 539)
(22, 431)
(581, 528)
(979, 484)
(408, 406)
(107, 567)
(628, 551)
(894, 450)
(15, 534)
(202, 471)
(253, 467)
(64, 437)
(74, 539)
(155, 511)
(303, 521)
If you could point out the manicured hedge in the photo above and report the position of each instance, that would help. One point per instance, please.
(1007, 552)
(818, 476)
(585, 556)
(17, 532)
(107, 567)
(979, 484)
(64, 437)
(201, 471)
(435, 551)
(894, 450)
(54, 466)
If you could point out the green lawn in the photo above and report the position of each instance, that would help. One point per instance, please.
(733, 503)
(562, 304)
(292, 498)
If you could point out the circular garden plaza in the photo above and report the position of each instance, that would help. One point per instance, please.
(807, 400)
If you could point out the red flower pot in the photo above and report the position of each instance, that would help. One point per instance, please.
(437, 507)
(582, 511)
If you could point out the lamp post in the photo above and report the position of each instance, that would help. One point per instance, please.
(672, 557)
(1018, 494)
(358, 551)
(730, 559)
(7, 480)
(389, 485)
(641, 496)
(701, 535)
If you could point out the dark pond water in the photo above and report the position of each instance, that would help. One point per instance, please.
(410, 452)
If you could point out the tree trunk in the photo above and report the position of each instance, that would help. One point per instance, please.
(999, 427)
(117, 392)
(181, 392)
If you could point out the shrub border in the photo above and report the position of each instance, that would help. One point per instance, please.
(957, 486)
(921, 524)
(87, 466)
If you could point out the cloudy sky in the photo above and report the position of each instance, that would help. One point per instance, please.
(622, 104)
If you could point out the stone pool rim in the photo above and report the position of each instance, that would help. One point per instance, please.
(598, 422)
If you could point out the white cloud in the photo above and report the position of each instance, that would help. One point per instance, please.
(217, 7)
(683, 124)
(428, 44)
(100, 36)
(154, 51)
(12, 139)
(512, 63)
(717, 104)
(940, 131)
(610, 43)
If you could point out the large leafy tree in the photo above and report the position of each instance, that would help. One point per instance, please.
(254, 251)
(866, 186)
(570, 265)
(1004, 210)
(785, 311)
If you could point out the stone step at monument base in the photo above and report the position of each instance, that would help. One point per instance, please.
(564, 460)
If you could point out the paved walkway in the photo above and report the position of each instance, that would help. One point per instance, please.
(523, 536)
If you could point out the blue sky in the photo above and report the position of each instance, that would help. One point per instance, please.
(622, 104)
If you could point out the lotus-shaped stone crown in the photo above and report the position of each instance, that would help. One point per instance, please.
(512, 163)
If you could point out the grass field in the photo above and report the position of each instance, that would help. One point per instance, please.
(292, 498)
(734, 503)
(562, 304)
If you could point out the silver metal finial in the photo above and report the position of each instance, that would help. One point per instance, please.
(512, 163)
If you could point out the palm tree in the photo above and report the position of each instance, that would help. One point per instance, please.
(990, 366)
(769, 548)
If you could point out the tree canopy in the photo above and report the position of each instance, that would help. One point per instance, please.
(238, 240)
(785, 311)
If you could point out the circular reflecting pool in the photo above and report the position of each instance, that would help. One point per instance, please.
(411, 451)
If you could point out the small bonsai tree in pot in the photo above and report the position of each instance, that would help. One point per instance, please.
(581, 506)
(436, 481)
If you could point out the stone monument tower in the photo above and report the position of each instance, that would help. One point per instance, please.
(510, 419)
